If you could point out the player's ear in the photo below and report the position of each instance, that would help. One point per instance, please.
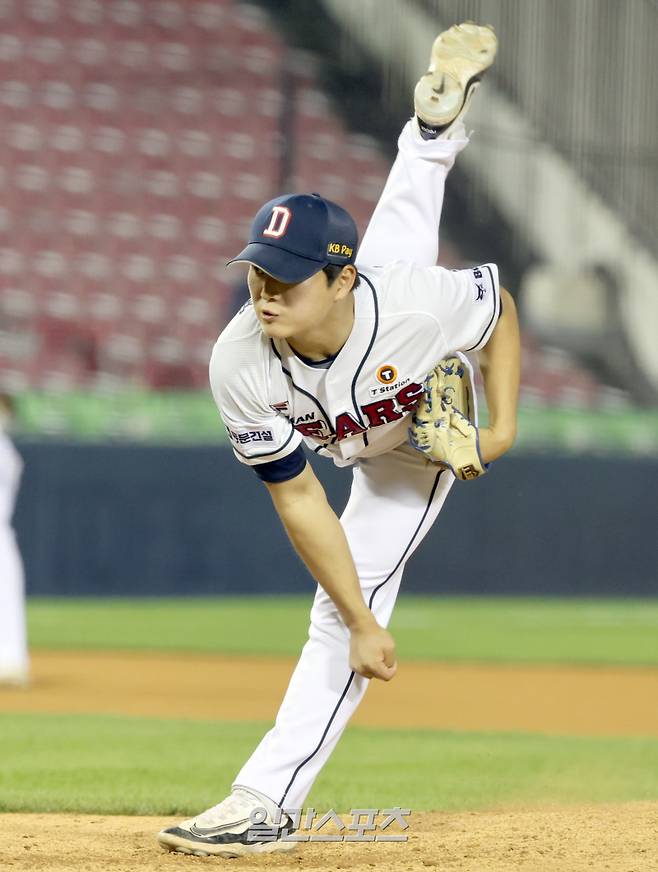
(344, 282)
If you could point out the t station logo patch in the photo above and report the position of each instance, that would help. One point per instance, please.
(387, 374)
(388, 378)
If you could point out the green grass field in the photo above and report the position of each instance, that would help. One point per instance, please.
(112, 764)
(126, 765)
(454, 629)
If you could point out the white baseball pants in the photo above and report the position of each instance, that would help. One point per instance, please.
(13, 638)
(394, 501)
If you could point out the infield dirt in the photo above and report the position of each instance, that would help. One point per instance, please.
(619, 838)
(593, 701)
(612, 838)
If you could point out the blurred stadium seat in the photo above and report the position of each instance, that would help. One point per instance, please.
(137, 141)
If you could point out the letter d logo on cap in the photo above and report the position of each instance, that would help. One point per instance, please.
(279, 221)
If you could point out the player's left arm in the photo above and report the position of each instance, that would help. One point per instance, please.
(500, 363)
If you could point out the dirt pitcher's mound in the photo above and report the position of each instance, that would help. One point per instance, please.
(590, 839)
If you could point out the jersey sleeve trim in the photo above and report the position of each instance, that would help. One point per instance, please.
(488, 330)
(284, 469)
(268, 456)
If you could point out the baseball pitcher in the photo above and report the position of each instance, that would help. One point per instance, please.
(362, 356)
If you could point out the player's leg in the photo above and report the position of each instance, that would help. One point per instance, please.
(394, 501)
(405, 223)
(14, 664)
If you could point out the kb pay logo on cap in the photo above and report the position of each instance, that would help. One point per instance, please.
(341, 250)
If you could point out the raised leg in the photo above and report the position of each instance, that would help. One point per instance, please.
(405, 223)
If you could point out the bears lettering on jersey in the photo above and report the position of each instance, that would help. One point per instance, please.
(346, 425)
(384, 411)
(312, 429)
(409, 396)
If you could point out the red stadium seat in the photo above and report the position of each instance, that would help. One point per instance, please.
(137, 141)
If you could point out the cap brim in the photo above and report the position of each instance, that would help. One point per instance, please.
(282, 265)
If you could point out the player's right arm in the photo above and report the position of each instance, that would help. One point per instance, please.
(318, 537)
(267, 441)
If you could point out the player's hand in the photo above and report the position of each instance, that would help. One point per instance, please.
(372, 651)
(494, 442)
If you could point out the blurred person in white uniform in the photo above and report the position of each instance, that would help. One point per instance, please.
(14, 659)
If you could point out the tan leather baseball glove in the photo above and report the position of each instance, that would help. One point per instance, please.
(442, 426)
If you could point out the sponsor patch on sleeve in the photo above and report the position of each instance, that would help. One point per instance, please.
(243, 438)
(480, 285)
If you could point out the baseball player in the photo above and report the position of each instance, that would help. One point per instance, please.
(364, 359)
(14, 662)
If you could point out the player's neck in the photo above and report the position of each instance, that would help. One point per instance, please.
(327, 339)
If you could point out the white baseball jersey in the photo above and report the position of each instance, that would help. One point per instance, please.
(407, 318)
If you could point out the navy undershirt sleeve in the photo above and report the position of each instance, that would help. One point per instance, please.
(283, 469)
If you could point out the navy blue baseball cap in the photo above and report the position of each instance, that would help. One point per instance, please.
(294, 236)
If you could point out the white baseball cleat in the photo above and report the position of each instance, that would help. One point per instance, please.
(459, 58)
(246, 822)
(14, 676)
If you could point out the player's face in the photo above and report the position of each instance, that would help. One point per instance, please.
(285, 310)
